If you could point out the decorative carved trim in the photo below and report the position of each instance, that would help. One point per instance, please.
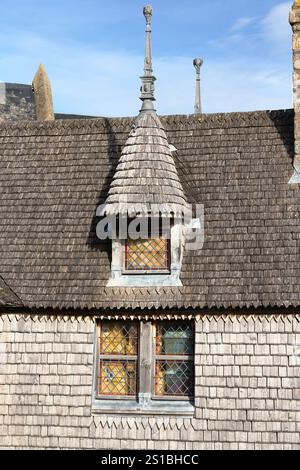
(202, 317)
(47, 318)
(254, 317)
(156, 423)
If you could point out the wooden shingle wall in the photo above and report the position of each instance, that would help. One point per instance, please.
(247, 387)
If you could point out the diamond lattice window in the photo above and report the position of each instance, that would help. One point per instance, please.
(174, 362)
(147, 255)
(145, 359)
(118, 349)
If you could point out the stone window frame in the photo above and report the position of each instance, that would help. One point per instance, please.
(145, 402)
(121, 278)
(165, 270)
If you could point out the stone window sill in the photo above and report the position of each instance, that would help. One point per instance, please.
(156, 407)
(145, 280)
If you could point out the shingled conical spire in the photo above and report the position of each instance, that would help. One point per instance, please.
(146, 180)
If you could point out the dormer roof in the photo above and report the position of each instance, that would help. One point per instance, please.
(146, 177)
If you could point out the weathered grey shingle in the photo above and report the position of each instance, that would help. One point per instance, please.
(54, 175)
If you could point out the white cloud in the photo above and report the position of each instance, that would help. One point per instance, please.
(276, 26)
(242, 23)
(245, 86)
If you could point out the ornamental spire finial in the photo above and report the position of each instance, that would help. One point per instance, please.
(147, 89)
(197, 64)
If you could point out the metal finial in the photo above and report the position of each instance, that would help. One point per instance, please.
(147, 89)
(197, 64)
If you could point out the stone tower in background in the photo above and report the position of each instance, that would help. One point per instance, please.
(43, 95)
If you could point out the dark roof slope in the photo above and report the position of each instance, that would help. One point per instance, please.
(54, 175)
(7, 297)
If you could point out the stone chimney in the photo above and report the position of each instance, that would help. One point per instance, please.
(42, 95)
(295, 23)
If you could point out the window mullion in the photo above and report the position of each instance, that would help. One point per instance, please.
(174, 357)
(145, 363)
(117, 357)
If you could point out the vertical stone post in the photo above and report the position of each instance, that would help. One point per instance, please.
(42, 95)
(197, 64)
(295, 23)
(148, 79)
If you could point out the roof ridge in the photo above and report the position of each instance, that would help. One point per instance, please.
(240, 119)
(236, 118)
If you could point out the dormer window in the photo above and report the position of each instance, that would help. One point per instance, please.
(147, 260)
(146, 185)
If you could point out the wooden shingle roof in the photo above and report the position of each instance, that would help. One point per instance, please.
(54, 175)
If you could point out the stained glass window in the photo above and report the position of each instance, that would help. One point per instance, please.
(117, 377)
(119, 337)
(145, 358)
(118, 358)
(151, 254)
(174, 362)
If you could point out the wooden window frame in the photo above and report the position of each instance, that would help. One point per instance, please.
(145, 400)
(134, 358)
(169, 357)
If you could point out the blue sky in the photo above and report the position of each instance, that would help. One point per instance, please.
(93, 52)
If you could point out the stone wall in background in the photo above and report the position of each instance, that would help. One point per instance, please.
(16, 102)
(247, 387)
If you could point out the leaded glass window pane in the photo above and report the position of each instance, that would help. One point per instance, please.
(174, 378)
(118, 355)
(147, 255)
(174, 338)
(174, 361)
(119, 338)
(118, 378)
